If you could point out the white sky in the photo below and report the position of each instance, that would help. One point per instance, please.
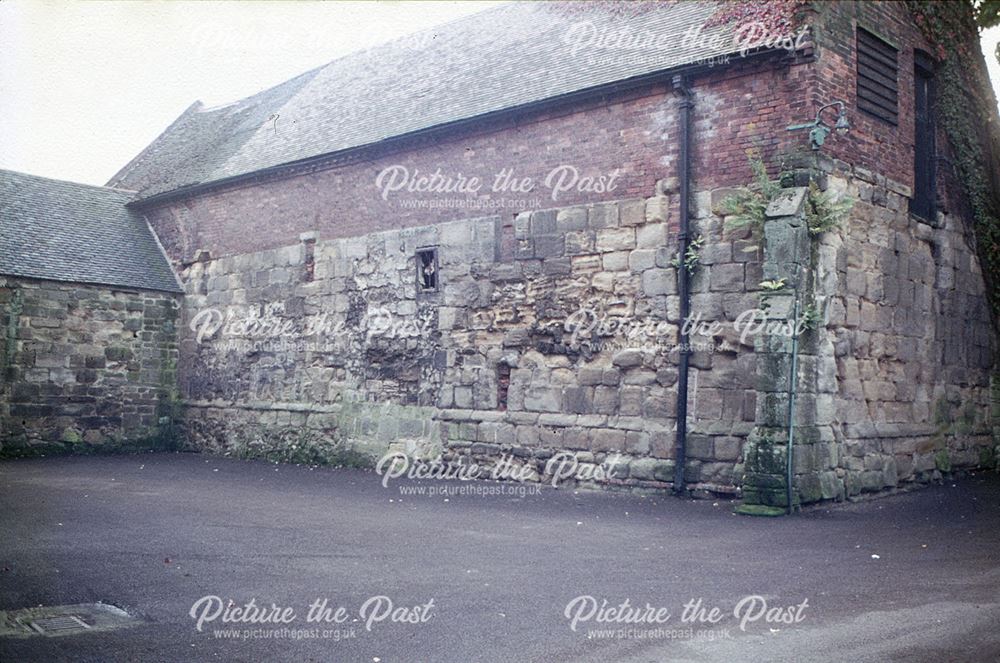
(85, 86)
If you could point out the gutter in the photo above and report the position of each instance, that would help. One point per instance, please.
(686, 103)
(359, 152)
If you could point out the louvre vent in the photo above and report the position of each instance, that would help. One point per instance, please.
(878, 64)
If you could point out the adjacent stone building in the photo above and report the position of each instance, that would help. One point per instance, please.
(482, 243)
(88, 305)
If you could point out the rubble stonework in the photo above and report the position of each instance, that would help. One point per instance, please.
(426, 365)
(86, 367)
(893, 384)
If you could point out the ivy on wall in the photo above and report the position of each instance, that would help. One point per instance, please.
(967, 112)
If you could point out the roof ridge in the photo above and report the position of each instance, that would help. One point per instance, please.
(236, 102)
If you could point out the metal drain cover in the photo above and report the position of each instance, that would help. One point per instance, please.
(61, 620)
(60, 625)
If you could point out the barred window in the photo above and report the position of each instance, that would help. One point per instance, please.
(427, 270)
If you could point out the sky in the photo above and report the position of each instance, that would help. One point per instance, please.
(84, 87)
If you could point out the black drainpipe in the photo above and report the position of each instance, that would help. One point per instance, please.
(681, 87)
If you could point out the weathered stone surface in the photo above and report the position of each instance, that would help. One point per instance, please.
(96, 368)
(573, 218)
(641, 260)
(615, 239)
(651, 236)
(659, 282)
(726, 278)
(652, 469)
(602, 216)
(632, 212)
(628, 358)
(657, 209)
(787, 203)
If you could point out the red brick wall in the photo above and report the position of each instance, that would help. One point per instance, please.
(745, 105)
(635, 133)
(872, 142)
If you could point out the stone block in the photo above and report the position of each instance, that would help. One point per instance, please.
(657, 209)
(615, 239)
(579, 242)
(727, 448)
(573, 218)
(628, 358)
(659, 282)
(549, 246)
(716, 252)
(632, 212)
(590, 375)
(603, 216)
(726, 278)
(652, 469)
(651, 236)
(641, 260)
(630, 401)
(616, 261)
(540, 399)
(668, 186)
(787, 203)
(607, 439)
(578, 400)
(543, 222)
(605, 400)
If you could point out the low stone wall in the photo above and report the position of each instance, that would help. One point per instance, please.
(85, 367)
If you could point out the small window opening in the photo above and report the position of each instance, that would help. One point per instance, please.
(309, 249)
(503, 385)
(506, 240)
(427, 270)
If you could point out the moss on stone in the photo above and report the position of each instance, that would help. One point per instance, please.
(942, 460)
(759, 510)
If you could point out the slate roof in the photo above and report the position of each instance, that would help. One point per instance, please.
(62, 231)
(496, 60)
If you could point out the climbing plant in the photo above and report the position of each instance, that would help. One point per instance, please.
(773, 16)
(967, 112)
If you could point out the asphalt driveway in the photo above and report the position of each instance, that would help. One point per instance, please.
(173, 538)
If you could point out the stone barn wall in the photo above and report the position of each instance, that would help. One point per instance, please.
(329, 350)
(85, 367)
(326, 349)
(342, 350)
